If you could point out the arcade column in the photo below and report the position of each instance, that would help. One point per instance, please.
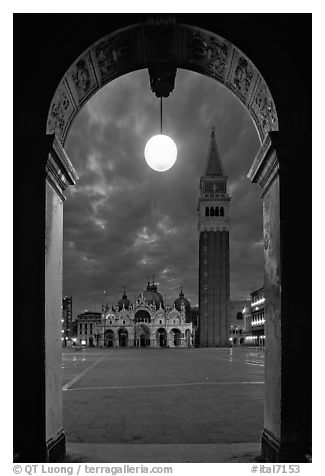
(287, 250)
(43, 176)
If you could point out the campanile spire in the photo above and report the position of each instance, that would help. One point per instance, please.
(214, 164)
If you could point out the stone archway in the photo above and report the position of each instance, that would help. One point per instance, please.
(286, 437)
(142, 335)
(176, 337)
(142, 316)
(161, 48)
(161, 337)
(140, 46)
(109, 338)
(123, 337)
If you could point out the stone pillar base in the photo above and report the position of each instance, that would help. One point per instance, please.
(56, 449)
(53, 452)
(273, 451)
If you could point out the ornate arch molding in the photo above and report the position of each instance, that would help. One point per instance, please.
(163, 45)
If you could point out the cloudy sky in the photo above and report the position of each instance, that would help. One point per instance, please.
(124, 222)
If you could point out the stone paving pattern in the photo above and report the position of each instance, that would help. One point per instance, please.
(168, 396)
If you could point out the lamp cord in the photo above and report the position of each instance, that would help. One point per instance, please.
(161, 115)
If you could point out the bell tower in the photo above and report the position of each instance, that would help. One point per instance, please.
(214, 274)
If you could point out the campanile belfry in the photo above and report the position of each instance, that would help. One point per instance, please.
(214, 276)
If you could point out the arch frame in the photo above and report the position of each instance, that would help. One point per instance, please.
(286, 70)
(139, 47)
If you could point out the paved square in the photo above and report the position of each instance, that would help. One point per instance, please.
(163, 396)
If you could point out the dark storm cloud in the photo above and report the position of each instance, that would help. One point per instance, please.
(124, 222)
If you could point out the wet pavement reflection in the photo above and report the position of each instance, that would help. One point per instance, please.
(160, 396)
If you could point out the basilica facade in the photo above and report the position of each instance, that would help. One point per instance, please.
(143, 323)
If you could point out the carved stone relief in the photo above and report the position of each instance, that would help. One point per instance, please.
(60, 112)
(219, 55)
(83, 78)
(208, 51)
(162, 49)
(264, 109)
(243, 76)
(115, 55)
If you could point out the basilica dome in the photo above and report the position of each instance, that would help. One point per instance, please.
(124, 301)
(152, 296)
(181, 300)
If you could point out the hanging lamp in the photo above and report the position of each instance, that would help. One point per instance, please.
(160, 151)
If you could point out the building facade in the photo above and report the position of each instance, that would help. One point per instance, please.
(214, 273)
(254, 319)
(236, 323)
(143, 323)
(88, 326)
(66, 319)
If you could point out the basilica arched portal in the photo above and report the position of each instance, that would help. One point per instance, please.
(142, 335)
(123, 337)
(109, 338)
(161, 337)
(176, 337)
(142, 316)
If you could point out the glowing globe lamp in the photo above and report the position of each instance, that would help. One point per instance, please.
(160, 152)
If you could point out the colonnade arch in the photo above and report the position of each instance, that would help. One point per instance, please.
(176, 337)
(123, 337)
(286, 437)
(140, 46)
(163, 47)
(142, 335)
(109, 338)
(162, 337)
